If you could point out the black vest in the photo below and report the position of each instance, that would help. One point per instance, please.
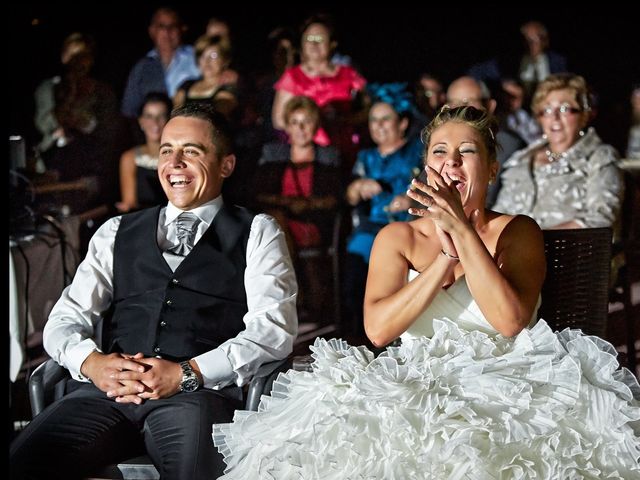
(177, 315)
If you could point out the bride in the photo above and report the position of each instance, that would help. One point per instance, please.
(476, 389)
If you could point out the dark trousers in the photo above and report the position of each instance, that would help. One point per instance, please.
(86, 430)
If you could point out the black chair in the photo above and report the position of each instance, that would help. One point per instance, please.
(575, 292)
(331, 254)
(628, 248)
(47, 383)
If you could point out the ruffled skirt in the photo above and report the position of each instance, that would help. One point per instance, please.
(460, 405)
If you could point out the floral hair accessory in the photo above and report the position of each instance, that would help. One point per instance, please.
(394, 94)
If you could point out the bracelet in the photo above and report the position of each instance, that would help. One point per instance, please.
(449, 255)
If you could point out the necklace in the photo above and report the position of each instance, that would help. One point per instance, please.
(552, 156)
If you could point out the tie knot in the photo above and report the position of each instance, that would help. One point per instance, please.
(186, 228)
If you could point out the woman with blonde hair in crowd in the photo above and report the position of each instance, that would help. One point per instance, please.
(569, 178)
(218, 84)
(299, 184)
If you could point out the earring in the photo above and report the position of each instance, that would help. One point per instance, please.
(544, 136)
(581, 133)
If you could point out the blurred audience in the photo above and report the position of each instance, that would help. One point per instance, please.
(378, 192)
(539, 61)
(283, 52)
(77, 116)
(429, 98)
(569, 178)
(216, 85)
(299, 184)
(139, 183)
(633, 141)
(217, 27)
(165, 67)
(529, 65)
(518, 119)
(333, 87)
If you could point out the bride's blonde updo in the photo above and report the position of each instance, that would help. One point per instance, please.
(480, 120)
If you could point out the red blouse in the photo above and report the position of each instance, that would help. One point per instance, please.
(298, 182)
(322, 90)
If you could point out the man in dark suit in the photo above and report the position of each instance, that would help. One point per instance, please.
(171, 312)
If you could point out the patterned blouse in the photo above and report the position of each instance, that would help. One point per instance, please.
(585, 185)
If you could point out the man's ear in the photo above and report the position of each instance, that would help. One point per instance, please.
(404, 124)
(491, 105)
(227, 166)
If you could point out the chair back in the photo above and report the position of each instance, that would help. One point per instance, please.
(575, 292)
(331, 251)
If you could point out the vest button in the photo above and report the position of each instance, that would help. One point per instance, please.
(163, 323)
(175, 281)
(168, 302)
(157, 349)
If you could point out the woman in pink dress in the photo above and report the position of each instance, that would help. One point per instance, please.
(333, 87)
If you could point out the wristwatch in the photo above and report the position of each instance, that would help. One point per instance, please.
(190, 381)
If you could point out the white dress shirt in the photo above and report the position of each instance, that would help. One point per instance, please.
(72, 331)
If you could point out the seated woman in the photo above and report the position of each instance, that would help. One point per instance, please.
(299, 184)
(378, 192)
(335, 88)
(473, 391)
(569, 178)
(139, 183)
(218, 84)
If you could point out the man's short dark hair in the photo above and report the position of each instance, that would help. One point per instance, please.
(220, 129)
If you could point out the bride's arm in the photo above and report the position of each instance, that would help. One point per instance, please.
(391, 304)
(506, 290)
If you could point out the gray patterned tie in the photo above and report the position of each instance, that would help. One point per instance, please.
(186, 227)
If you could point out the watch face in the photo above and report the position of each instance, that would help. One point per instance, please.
(190, 385)
(190, 382)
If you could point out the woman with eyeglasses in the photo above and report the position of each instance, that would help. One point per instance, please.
(333, 87)
(569, 178)
(218, 84)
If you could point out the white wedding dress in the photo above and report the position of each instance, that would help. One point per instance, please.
(455, 401)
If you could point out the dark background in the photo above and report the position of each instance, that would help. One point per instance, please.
(385, 44)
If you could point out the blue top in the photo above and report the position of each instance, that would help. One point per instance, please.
(394, 172)
(148, 75)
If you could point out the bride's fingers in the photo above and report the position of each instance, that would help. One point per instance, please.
(416, 184)
(420, 197)
(435, 179)
(419, 212)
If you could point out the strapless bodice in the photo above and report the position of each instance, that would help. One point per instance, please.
(456, 304)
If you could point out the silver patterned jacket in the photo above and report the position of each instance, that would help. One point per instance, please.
(584, 185)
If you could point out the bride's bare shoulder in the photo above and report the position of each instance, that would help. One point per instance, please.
(400, 233)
